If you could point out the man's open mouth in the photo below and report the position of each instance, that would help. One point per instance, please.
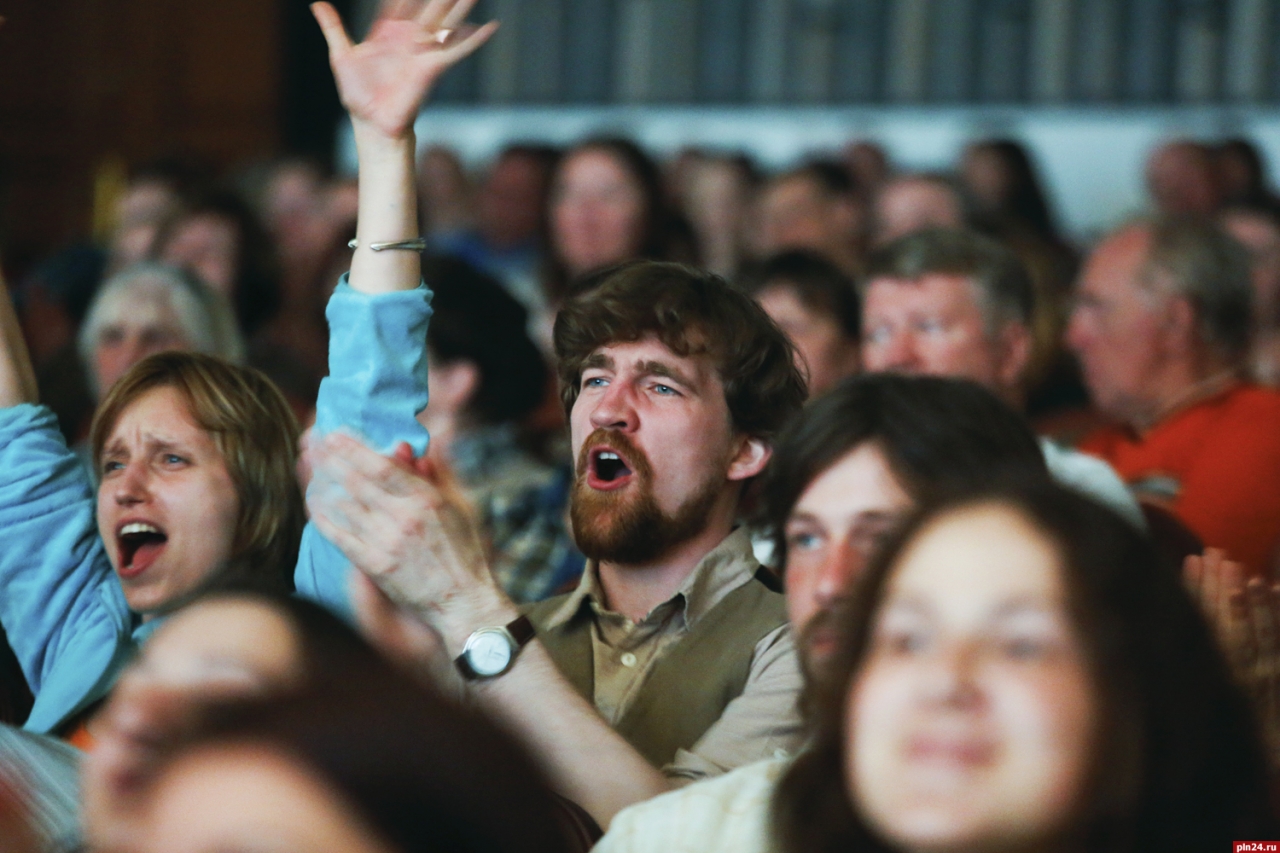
(140, 543)
(607, 469)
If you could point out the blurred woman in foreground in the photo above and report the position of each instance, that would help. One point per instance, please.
(376, 765)
(1019, 673)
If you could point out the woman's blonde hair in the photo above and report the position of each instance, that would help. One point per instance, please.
(256, 432)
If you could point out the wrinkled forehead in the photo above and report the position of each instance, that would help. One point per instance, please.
(160, 413)
(651, 354)
(930, 291)
(859, 487)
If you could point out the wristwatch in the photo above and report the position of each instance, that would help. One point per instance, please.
(489, 652)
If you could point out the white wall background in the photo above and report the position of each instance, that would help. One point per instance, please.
(1091, 159)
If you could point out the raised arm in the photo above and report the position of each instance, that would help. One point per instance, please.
(377, 380)
(17, 377)
(382, 82)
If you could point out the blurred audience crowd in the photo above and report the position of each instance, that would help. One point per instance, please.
(840, 507)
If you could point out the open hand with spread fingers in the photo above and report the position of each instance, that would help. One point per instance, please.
(384, 79)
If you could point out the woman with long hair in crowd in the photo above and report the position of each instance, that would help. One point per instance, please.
(195, 455)
(607, 206)
(1018, 672)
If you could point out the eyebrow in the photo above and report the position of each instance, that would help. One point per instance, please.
(1023, 604)
(868, 515)
(598, 359)
(658, 368)
(151, 443)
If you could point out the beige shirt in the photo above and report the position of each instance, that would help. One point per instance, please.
(762, 722)
(729, 814)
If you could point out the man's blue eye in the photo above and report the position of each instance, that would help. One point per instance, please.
(665, 389)
(594, 382)
(802, 541)
(112, 465)
(173, 459)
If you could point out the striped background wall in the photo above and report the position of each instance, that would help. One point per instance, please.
(782, 52)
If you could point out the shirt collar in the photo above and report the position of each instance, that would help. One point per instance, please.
(722, 570)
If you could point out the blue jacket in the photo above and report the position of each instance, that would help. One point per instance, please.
(60, 602)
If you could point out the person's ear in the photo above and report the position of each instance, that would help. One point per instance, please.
(1180, 325)
(454, 384)
(1016, 344)
(753, 454)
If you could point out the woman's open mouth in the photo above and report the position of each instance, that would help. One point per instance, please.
(140, 543)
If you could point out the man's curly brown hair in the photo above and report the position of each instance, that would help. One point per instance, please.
(692, 313)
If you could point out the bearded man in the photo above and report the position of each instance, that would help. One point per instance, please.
(672, 660)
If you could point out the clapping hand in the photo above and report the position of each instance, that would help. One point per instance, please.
(1245, 616)
(384, 79)
(407, 528)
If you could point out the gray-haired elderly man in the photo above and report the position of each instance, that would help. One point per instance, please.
(948, 302)
(1161, 326)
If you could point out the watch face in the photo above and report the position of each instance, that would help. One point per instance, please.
(489, 652)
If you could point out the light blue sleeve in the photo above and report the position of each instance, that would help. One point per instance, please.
(61, 606)
(376, 386)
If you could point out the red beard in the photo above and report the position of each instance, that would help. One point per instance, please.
(626, 525)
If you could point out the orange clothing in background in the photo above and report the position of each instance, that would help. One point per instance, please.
(1215, 464)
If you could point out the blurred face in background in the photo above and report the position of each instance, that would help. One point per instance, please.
(511, 201)
(143, 206)
(835, 526)
(971, 720)
(1260, 236)
(909, 204)
(134, 329)
(828, 355)
(208, 247)
(597, 211)
(986, 176)
(795, 212)
(215, 650)
(1182, 178)
(1116, 328)
(935, 326)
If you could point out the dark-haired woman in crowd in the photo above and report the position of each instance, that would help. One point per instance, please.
(1010, 204)
(608, 206)
(220, 241)
(1018, 672)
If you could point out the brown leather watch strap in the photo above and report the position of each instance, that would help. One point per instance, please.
(521, 630)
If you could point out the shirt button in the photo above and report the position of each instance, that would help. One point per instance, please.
(628, 659)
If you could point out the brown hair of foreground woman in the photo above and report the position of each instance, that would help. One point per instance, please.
(380, 763)
(1163, 754)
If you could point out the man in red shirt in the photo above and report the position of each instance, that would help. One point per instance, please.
(1161, 326)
